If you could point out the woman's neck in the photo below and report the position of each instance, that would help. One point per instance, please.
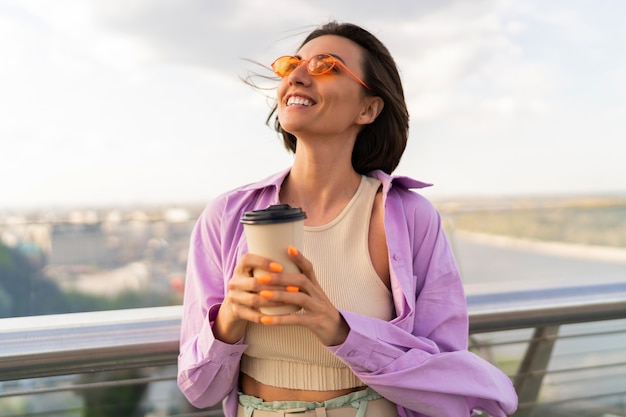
(321, 187)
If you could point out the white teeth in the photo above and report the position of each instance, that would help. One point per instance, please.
(299, 101)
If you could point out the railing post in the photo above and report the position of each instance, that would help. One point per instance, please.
(533, 368)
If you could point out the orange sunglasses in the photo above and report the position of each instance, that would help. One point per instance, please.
(317, 65)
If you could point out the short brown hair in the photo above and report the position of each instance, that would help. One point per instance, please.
(379, 145)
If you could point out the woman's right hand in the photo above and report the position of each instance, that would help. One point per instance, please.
(242, 301)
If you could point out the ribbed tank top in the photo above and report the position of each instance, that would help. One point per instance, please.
(291, 356)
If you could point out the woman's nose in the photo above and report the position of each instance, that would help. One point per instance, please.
(300, 75)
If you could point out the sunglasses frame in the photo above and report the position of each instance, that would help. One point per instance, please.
(299, 61)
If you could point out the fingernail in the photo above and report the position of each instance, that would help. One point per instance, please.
(266, 319)
(266, 294)
(292, 250)
(264, 279)
(276, 267)
(291, 288)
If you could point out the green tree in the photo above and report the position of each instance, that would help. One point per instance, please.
(118, 401)
(6, 304)
(16, 275)
(24, 291)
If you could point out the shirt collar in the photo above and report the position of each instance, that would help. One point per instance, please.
(405, 182)
(274, 180)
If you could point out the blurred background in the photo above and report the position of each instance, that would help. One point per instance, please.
(120, 120)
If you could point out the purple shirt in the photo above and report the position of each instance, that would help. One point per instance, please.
(418, 360)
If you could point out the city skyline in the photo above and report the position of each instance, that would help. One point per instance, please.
(116, 103)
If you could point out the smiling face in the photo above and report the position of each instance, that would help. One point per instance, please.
(330, 104)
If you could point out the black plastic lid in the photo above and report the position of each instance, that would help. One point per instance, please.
(278, 213)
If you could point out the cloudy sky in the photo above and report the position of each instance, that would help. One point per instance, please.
(132, 102)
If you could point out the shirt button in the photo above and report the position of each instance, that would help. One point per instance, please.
(351, 353)
(396, 257)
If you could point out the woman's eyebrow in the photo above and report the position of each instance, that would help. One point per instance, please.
(325, 53)
(338, 57)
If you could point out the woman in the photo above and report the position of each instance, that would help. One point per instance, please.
(383, 327)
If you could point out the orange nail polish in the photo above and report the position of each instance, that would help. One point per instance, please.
(292, 250)
(276, 267)
(266, 319)
(292, 288)
(266, 294)
(264, 279)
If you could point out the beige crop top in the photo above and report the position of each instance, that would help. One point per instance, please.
(291, 356)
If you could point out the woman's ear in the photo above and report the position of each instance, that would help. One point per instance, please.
(373, 105)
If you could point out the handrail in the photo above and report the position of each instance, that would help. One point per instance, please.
(67, 344)
(545, 307)
(64, 344)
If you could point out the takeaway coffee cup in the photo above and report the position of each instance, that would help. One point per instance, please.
(269, 233)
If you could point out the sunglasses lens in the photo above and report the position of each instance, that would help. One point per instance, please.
(321, 64)
(284, 65)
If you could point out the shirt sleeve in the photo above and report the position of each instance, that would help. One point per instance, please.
(208, 369)
(420, 359)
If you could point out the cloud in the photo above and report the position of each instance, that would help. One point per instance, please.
(197, 32)
(192, 32)
(155, 83)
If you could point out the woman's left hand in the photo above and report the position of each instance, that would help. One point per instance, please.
(319, 315)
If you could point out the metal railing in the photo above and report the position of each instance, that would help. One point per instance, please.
(44, 346)
(64, 344)
(545, 312)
